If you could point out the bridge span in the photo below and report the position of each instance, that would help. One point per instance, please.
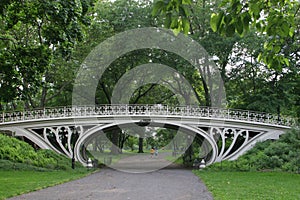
(227, 133)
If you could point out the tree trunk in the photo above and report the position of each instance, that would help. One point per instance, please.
(95, 145)
(115, 141)
(205, 80)
(122, 139)
(43, 98)
(189, 154)
(278, 113)
(141, 141)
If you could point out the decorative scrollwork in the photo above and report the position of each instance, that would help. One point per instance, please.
(227, 140)
(62, 138)
(150, 110)
(231, 140)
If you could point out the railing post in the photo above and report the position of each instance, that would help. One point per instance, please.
(167, 110)
(150, 109)
(64, 111)
(86, 110)
(228, 113)
(147, 110)
(248, 117)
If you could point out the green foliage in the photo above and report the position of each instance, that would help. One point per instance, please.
(176, 14)
(279, 155)
(21, 154)
(251, 85)
(165, 136)
(276, 19)
(7, 165)
(131, 143)
(283, 154)
(33, 34)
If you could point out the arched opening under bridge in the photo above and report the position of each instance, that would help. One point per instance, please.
(98, 143)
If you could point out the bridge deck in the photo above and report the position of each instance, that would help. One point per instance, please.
(145, 110)
(54, 128)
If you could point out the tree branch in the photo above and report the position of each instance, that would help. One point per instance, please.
(143, 94)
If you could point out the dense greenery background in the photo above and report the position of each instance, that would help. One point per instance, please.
(43, 43)
(255, 44)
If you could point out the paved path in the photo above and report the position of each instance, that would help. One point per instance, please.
(109, 184)
(143, 163)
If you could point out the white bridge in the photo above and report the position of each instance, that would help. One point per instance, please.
(227, 132)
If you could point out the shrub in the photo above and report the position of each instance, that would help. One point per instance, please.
(17, 151)
(282, 154)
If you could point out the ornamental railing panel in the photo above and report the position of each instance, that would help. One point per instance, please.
(149, 110)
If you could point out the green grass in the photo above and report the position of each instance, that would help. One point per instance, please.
(115, 158)
(19, 182)
(23, 169)
(176, 160)
(251, 185)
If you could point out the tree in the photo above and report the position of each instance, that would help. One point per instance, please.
(119, 16)
(254, 86)
(165, 136)
(176, 13)
(131, 142)
(276, 19)
(32, 34)
(116, 17)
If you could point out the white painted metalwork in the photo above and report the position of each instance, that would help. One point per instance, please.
(147, 110)
(228, 132)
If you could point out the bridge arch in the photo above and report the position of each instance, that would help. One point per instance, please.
(218, 126)
(209, 143)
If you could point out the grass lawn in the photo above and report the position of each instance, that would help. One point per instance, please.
(114, 158)
(18, 182)
(251, 185)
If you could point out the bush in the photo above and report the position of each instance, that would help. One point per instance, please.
(282, 154)
(17, 151)
(8, 165)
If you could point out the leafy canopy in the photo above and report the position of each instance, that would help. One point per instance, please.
(275, 18)
(176, 14)
(32, 33)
